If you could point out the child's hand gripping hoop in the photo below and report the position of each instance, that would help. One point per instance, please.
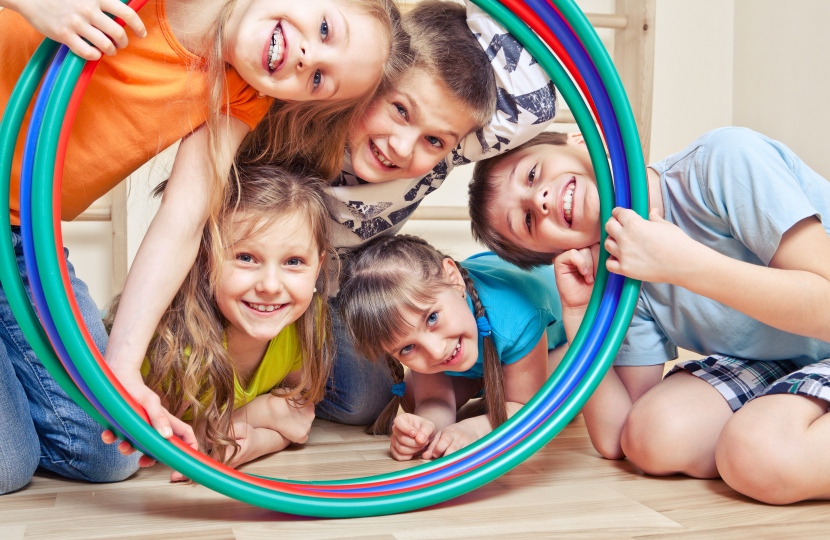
(81, 370)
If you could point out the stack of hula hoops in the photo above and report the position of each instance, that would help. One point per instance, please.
(559, 36)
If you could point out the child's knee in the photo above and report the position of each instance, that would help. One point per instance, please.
(113, 470)
(100, 463)
(762, 463)
(646, 435)
(15, 474)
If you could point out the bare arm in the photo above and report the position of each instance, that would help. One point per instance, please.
(434, 398)
(288, 417)
(434, 406)
(77, 23)
(792, 294)
(255, 442)
(605, 412)
(164, 258)
(522, 379)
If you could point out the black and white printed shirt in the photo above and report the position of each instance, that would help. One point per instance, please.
(526, 106)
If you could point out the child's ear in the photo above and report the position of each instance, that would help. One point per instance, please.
(576, 138)
(452, 274)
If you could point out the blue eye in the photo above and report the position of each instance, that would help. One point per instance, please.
(435, 141)
(324, 29)
(406, 350)
(432, 319)
(317, 78)
(401, 110)
(294, 261)
(531, 175)
(244, 257)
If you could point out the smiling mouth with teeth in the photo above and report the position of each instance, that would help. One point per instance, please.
(277, 48)
(568, 198)
(264, 308)
(381, 157)
(454, 352)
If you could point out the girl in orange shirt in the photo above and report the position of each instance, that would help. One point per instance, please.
(204, 72)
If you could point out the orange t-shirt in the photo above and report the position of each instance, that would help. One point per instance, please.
(139, 102)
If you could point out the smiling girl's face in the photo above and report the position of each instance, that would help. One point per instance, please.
(303, 51)
(270, 280)
(408, 130)
(442, 336)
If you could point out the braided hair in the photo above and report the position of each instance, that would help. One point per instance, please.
(393, 275)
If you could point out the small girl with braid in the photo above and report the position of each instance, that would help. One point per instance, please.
(458, 327)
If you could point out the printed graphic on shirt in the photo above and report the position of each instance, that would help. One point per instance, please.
(362, 210)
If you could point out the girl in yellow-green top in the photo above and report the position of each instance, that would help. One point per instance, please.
(242, 353)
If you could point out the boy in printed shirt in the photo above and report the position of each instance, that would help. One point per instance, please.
(488, 96)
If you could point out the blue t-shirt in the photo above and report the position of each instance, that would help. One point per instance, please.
(737, 192)
(520, 306)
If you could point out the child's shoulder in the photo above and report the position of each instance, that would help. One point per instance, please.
(508, 287)
(725, 143)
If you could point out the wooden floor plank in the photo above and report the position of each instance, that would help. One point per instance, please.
(812, 530)
(12, 532)
(711, 504)
(565, 491)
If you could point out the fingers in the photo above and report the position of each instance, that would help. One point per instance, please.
(595, 256)
(624, 215)
(93, 31)
(403, 450)
(184, 431)
(413, 428)
(405, 424)
(178, 477)
(98, 38)
(126, 448)
(83, 49)
(654, 215)
(410, 434)
(581, 260)
(408, 438)
(113, 32)
(441, 442)
(159, 418)
(108, 437)
(126, 14)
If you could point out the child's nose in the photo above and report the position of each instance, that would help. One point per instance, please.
(436, 349)
(544, 200)
(402, 143)
(271, 282)
(307, 56)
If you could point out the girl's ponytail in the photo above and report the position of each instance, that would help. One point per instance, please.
(384, 422)
(493, 374)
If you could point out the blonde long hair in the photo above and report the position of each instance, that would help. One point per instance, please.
(309, 133)
(382, 281)
(187, 356)
(314, 132)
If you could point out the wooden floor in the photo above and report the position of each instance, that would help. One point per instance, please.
(564, 491)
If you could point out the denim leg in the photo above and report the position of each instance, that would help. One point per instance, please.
(358, 389)
(70, 441)
(19, 445)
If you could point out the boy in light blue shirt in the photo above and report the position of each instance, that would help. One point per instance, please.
(735, 259)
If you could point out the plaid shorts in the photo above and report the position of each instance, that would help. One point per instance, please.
(740, 380)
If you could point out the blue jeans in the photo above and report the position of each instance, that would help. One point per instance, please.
(357, 389)
(39, 424)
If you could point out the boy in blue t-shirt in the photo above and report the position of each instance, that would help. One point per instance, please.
(735, 260)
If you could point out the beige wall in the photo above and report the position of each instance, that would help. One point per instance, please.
(782, 75)
(717, 62)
